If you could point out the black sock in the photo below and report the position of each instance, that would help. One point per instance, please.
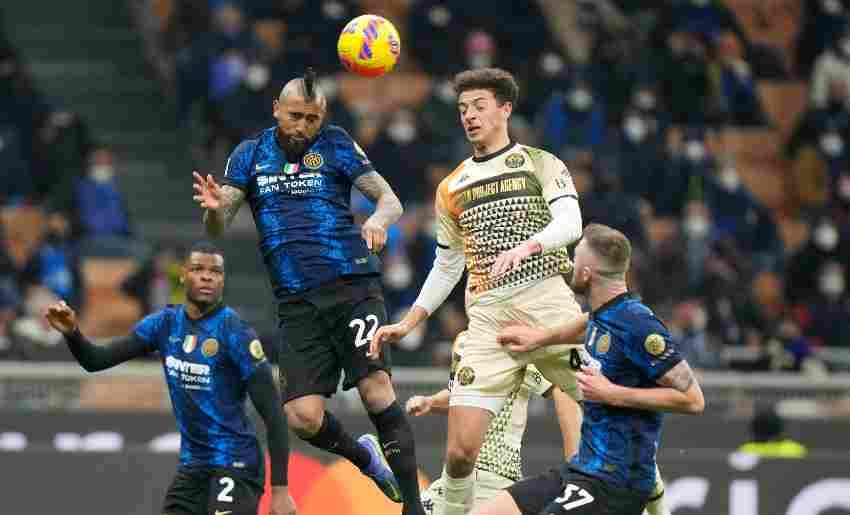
(397, 441)
(333, 438)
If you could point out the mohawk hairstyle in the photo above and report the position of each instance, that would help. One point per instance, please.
(309, 84)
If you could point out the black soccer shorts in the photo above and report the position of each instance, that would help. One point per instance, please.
(563, 491)
(203, 491)
(326, 332)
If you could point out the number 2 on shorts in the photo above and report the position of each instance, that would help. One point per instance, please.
(360, 324)
(584, 497)
(224, 495)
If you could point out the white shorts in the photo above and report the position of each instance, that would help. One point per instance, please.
(487, 373)
(487, 485)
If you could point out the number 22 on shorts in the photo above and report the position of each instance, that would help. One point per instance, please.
(360, 324)
(583, 497)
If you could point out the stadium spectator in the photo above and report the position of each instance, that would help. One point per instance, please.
(826, 317)
(573, 120)
(824, 21)
(826, 243)
(683, 178)
(401, 148)
(637, 156)
(832, 65)
(428, 17)
(739, 100)
(768, 437)
(682, 68)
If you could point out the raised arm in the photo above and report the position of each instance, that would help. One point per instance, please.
(220, 203)
(388, 209)
(90, 356)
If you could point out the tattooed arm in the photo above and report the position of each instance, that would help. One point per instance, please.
(387, 209)
(677, 391)
(220, 203)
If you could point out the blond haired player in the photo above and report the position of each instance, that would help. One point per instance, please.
(499, 464)
(506, 214)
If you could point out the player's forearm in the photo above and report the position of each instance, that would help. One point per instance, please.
(445, 273)
(564, 229)
(662, 398)
(266, 398)
(388, 208)
(216, 221)
(568, 412)
(440, 401)
(571, 332)
(94, 358)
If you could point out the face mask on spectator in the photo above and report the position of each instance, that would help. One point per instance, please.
(551, 64)
(635, 129)
(694, 151)
(831, 7)
(580, 99)
(446, 92)
(831, 144)
(831, 283)
(439, 16)
(645, 100)
(256, 77)
(696, 226)
(729, 179)
(401, 132)
(334, 10)
(101, 173)
(826, 237)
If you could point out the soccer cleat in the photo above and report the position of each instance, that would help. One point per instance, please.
(379, 470)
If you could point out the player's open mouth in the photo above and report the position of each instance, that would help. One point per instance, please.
(472, 130)
(205, 291)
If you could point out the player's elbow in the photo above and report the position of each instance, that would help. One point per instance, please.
(696, 402)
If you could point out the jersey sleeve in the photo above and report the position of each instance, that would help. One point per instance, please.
(448, 231)
(535, 382)
(237, 171)
(554, 178)
(652, 349)
(151, 330)
(247, 352)
(350, 158)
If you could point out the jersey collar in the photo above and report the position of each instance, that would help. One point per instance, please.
(613, 302)
(497, 153)
(209, 314)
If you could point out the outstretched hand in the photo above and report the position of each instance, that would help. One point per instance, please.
(207, 191)
(61, 317)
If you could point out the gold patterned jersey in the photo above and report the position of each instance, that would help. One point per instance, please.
(490, 205)
(501, 451)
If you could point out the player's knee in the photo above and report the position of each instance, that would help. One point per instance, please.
(376, 391)
(460, 460)
(305, 421)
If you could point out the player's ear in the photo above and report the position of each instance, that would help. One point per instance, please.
(275, 107)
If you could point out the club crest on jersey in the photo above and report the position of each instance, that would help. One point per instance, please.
(654, 344)
(603, 344)
(313, 161)
(465, 376)
(514, 160)
(189, 343)
(210, 347)
(256, 350)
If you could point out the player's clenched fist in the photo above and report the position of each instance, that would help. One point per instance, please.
(521, 338)
(418, 405)
(61, 317)
(207, 191)
(374, 235)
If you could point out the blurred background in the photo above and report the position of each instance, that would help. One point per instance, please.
(714, 133)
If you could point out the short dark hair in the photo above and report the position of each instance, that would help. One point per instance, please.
(609, 244)
(500, 82)
(205, 247)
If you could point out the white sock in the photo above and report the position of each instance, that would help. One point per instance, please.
(459, 493)
(657, 506)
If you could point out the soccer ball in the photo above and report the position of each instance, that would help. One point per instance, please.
(369, 46)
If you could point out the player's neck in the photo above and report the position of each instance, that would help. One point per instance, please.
(485, 148)
(603, 292)
(196, 311)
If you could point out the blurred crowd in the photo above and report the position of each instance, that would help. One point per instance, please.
(636, 97)
(59, 201)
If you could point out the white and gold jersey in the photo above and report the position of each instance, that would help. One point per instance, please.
(490, 205)
(502, 447)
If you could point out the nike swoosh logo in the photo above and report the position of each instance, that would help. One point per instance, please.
(385, 445)
(259, 167)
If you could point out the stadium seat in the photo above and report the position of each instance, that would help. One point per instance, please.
(102, 281)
